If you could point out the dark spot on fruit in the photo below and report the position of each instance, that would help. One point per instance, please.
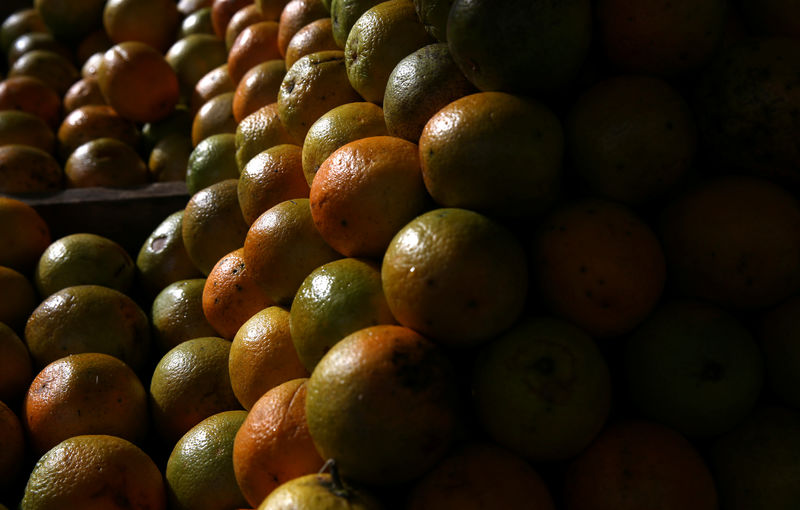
(238, 287)
(288, 86)
(158, 243)
(216, 300)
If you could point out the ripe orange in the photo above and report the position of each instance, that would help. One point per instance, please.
(26, 169)
(69, 475)
(31, 95)
(295, 15)
(88, 393)
(214, 117)
(16, 371)
(481, 475)
(105, 162)
(263, 356)
(382, 402)
(192, 57)
(215, 82)
(83, 92)
(613, 282)
(18, 299)
(313, 37)
(319, 491)
(244, 17)
(152, 22)
(455, 276)
(258, 132)
(473, 133)
(633, 464)
(88, 318)
(53, 69)
(271, 9)
(221, 13)
(94, 121)
(213, 225)
(138, 82)
(231, 295)
(255, 44)
(257, 88)
(37, 41)
(24, 235)
(177, 314)
(270, 178)
(282, 247)
(189, 384)
(273, 445)
(365, 192)
(334, 300)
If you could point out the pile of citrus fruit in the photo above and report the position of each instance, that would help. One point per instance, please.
(472, 254)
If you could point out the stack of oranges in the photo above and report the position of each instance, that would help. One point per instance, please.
(437, 254)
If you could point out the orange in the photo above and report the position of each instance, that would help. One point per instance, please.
(84, 259)
(199, 471)
(176, 123)
(321, 491)
(169, 158)
(187, 7)
(177, 314)
(192, 57)
(197, 22)
(53, 69)
(269, 178)
(214, 117)
(213, 225)
(456, 276)
(105, 162)
(719, 249)
(273, 445)
(382, 402)
(634, 463)
(257, 88)
(88, 318)
(70, 21)
(69, 475)
(33, 96)
(258, 132)
(313, 37)
(282, 247)
(162, 259)
(96, 41)
(263, 356)
(138, 82)
(419, 86)
(24, 235)
(23, 128)
(215, 82)
(295, 15)
(344, 15)
(26, 169)
(20, 22)
(221, 13)
(37, 41)
(271, 9)
(152, 22)
(337, 127)
(433, 14)
(243, 18)
(16, 373)
(231, 296)
(92, 64)
(94, 121)
(314, 85)
(212, 161)
(255, 44)
(189, 384)
(547, 375)
(613, 282)
(378, 41)
(649, 37)
(531, 48)
(18, 299)
(631, 138)
(481, 475)
(12, 447)
(83, 92)
(334, 300)
(88, 393)
(473, 133)
(365, 192)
